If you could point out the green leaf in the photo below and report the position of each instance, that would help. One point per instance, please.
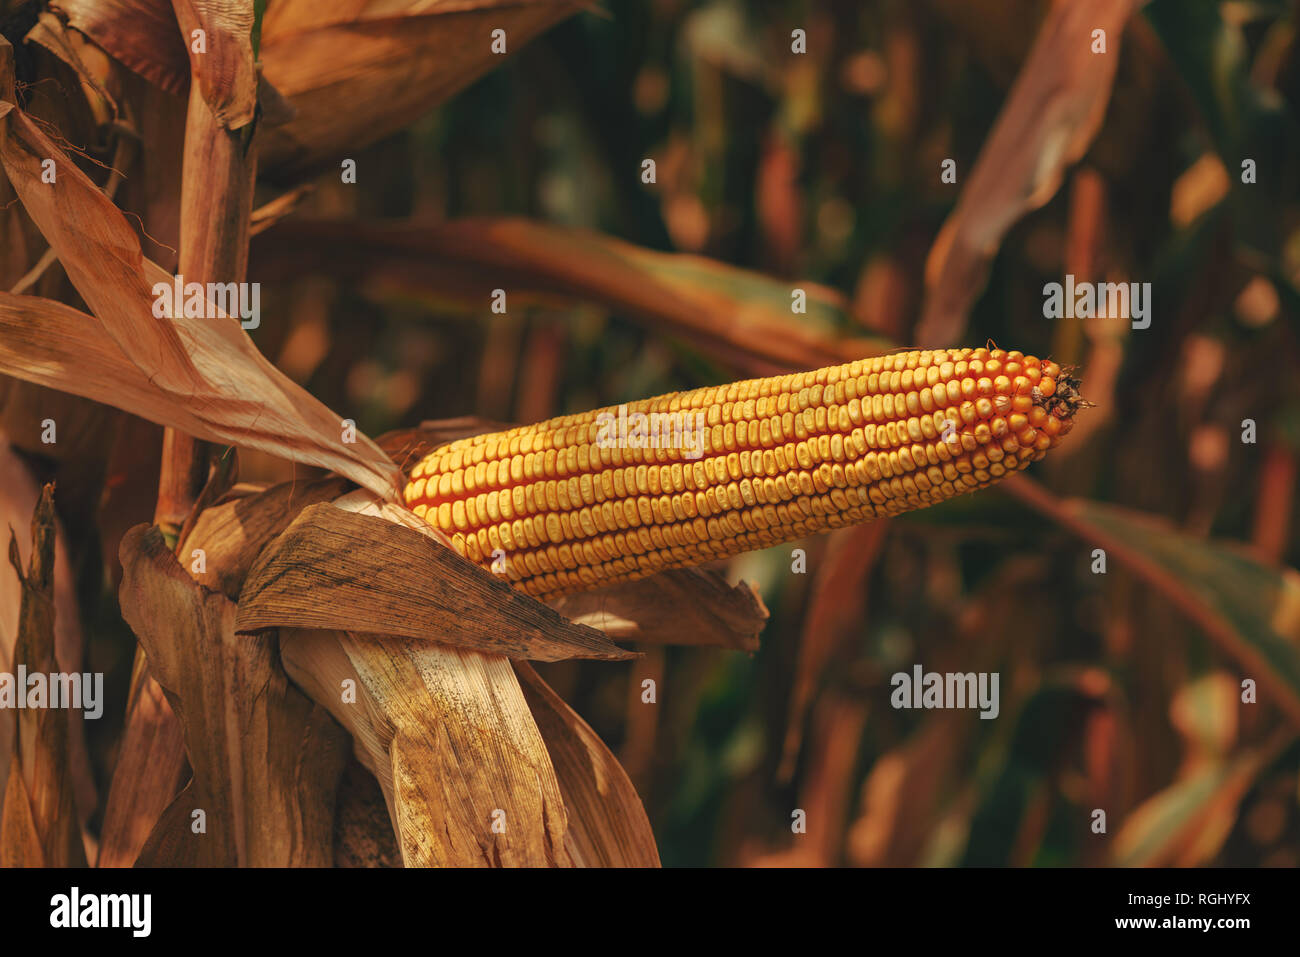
(1186, 824)
(1250, 609)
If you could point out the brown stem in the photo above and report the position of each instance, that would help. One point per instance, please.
(216, 199)
(182, 476)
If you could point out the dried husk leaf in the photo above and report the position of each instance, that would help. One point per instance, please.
(225, 69)
(266, 760)
(341, 571)
(231, 534)
(363, 831)
(19, 498)
(407, 446)
(39, 824)
(219, 548)
(229, 392)
(1049, 119)
(150, 772)
(141, 34)
(683, 606)
(87, 61)
(388, 61)
(54, 345)
(449, 736)
(608, 826)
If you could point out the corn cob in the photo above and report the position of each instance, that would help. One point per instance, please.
(572, 503)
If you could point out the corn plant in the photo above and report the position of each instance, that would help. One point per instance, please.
(336, 667)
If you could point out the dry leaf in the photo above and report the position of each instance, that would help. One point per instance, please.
(363, 831)
(337, 570)
(219, 549)
(734, 314)
(152, 742)
(446, 730)
(39, 824)
(356, 72)
(608, 826)
(142, 34)
(1049, 119)
(231, 534)
(201, 375)
(86, 60)
(684, 606)
(19, 497)
(838, 607)
(224, 66)
(449, 736)
(266, 760)
(388, 61)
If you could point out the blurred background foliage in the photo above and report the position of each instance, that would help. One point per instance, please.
(822, 171)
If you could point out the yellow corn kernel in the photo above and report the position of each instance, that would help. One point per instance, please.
(616, 494)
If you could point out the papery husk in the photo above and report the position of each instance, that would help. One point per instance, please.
(682, 606)
(608, 826)
(363, 832)
(351, 71)
(225, 69)
(448, 734)
(39, 823)
(141, 34)
(337, 570)
(150, 771)
(230, 535)
(453, 739)
(266, 761)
